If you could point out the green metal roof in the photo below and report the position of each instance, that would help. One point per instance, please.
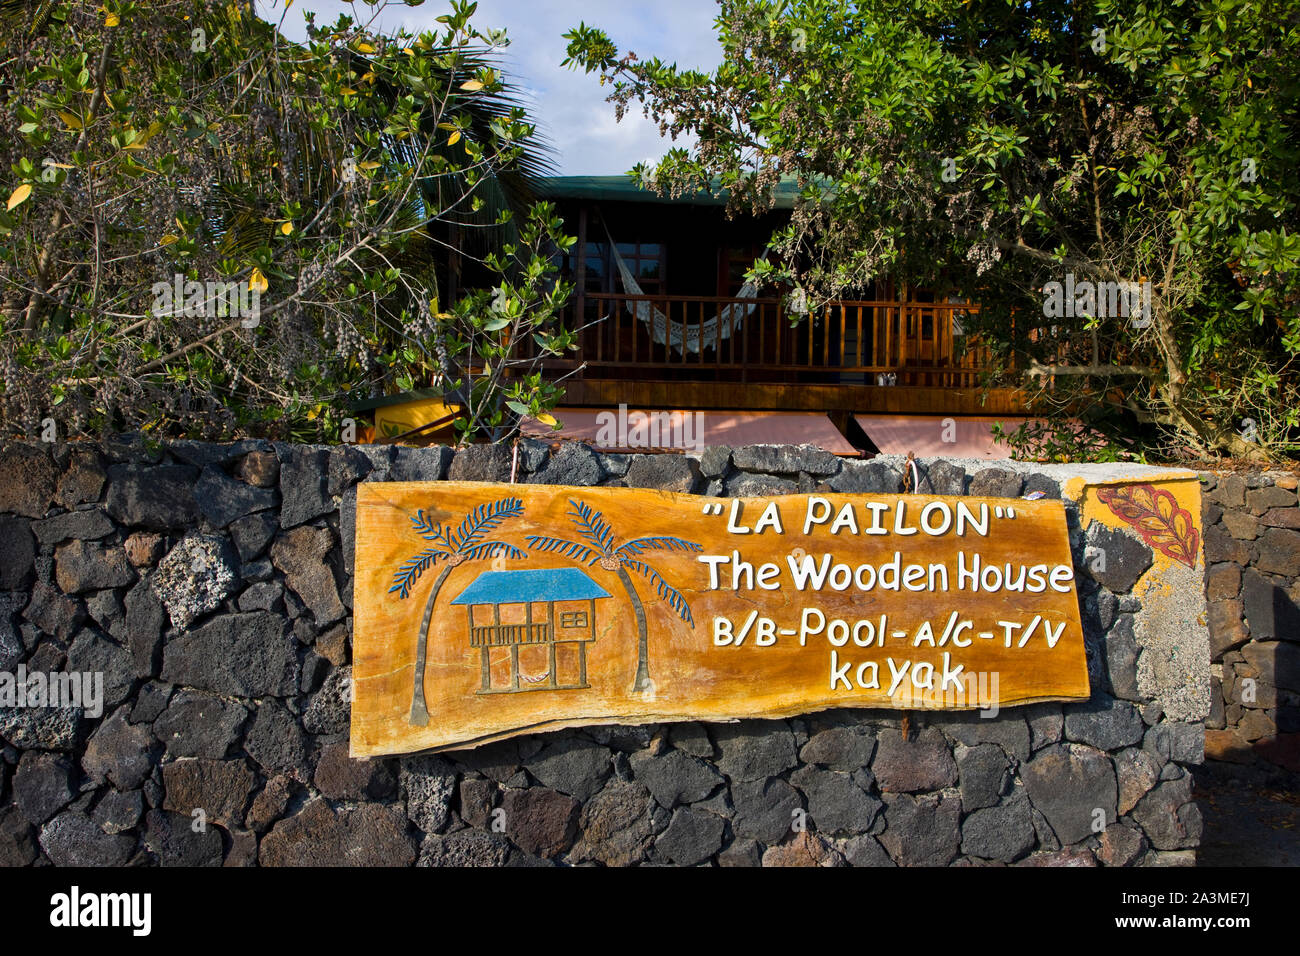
(627, 189)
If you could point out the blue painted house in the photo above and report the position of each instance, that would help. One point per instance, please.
(548, 616)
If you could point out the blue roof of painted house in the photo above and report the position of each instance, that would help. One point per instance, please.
(519, 587)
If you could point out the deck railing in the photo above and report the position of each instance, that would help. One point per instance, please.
(504, 635)
(847, 342)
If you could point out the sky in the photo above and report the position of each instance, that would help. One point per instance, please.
(567, 105)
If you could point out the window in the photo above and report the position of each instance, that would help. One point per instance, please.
(596, 270)
(736, 261)
(645, 260)
(571, 619)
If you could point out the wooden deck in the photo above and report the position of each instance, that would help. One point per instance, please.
(852, 356)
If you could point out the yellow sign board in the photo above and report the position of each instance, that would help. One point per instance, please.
(485, 611)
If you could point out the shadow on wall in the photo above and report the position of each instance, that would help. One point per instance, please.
(1252, 551)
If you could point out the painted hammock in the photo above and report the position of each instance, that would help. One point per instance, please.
(683, 336)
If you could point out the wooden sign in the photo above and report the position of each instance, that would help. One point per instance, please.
(485, 611)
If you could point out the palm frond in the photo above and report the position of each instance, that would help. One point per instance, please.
(428, 529)
(665, 590)
(591, 525)
(35, 12)
(412, 568)
(237, 217)
(569, 549)
(484, 518)
(510, 188)
(490, 549)
(656, 543)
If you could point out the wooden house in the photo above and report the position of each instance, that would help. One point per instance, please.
(544, 619)
(668, 323)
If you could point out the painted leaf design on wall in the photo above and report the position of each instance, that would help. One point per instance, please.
(1157, 517)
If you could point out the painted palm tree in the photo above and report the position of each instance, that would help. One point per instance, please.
(452, 548)
(600, 549)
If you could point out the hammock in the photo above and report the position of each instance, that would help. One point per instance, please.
(680, 335)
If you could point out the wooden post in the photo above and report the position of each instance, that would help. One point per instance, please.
(582, 645)
(580, 279)
(550, 610)
(826, 335)
(718, 337)
(809, 324)
(485, 664)
(755, 316)
(902, 331)
(636, 310)
(859, 343)
(887, 330)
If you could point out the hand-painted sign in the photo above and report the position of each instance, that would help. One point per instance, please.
(485, 611)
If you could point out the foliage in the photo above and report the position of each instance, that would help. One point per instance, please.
(186, 145)
(600, 547)
(466, 542)
(991, 147)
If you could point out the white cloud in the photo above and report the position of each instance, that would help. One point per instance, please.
(568, 105)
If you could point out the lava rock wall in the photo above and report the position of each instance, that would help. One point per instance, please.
(211, 587)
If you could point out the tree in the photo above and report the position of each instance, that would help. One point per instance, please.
(211, 230)
(998, 146)
(453, 548)
(600, 549)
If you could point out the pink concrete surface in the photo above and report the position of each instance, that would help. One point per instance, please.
(925, 435)
(735, 429)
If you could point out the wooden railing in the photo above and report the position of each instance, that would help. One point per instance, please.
(846, 342)
(501, 635)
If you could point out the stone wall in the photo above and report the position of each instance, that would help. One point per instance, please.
(211, 587)
(1252, 587)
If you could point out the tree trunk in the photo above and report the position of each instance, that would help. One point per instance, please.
(642, 682)
(419, 711)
